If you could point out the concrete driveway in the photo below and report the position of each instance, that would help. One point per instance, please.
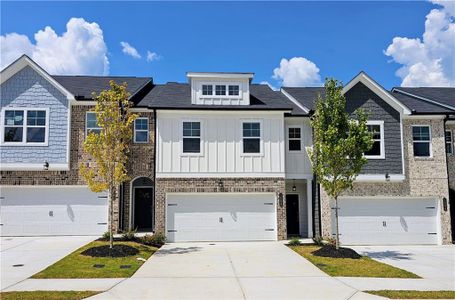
(436, 264)
(242, 270)
(21, 257)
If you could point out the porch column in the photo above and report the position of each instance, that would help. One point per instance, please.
(309, 196)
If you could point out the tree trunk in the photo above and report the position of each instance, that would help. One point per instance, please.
(337, 236)
(111, 218)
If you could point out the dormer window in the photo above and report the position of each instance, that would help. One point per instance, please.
(234, 90)
(220, 90)
(207, 89)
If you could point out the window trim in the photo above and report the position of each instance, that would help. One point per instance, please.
(429, 141)
(451, 142)
(141, 130)
(382, 140)
(261, 139)
(86, 118)
(226, 84)
(201, 134)
(24, 127)
(294, 139)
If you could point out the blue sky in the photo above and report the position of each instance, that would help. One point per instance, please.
(339, 38)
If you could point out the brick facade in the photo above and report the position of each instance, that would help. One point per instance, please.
(211, 185)
(425, 177)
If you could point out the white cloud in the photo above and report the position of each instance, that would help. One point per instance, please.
(297, 71)
(430, 61)
(152, 56)
(130, 50)
(79, 50)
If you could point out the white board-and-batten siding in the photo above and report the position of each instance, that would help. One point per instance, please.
(298, 165)
(221, 145)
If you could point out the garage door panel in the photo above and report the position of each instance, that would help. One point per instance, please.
(32, 211)
(220, 217)
(387, 221)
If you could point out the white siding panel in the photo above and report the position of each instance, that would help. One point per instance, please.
(298, 165)
(221, 136)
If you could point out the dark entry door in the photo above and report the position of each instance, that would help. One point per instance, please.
(143, 208)
(292, 214)
(452, 212)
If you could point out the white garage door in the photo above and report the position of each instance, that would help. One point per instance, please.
(34, 211)
(387, 221)
(220, 217)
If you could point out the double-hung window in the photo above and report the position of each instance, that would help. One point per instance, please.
(251, 137)
(376, 128)
(421, 139)
(141, 130)
(191, 137)
(449, 142)
(25, 126)
(91, 123)
(295, 138)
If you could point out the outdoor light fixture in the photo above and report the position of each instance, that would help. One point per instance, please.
(387, 176)
(46, 165)
(280, 199)
(294, 188)
(444, 203)
(220, 183)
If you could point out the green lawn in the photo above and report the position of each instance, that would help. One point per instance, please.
(42, 295)
(77, 265)
(347, 267)
(414, 294)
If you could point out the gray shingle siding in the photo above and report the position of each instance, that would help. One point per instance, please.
(28, 89)
(361, 96)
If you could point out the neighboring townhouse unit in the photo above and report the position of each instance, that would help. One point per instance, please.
(220, 158)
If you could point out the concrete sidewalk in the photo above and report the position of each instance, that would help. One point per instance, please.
(92, 284)
(243, 270)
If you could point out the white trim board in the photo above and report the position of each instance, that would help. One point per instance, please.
(290, 97)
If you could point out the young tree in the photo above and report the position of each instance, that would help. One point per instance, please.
(339, 143)
(108, 148)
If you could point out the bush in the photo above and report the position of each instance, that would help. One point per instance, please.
(318, 240)
(105, 236)
(156, 240)
(129, 236)
(331, 241)
(294, 242)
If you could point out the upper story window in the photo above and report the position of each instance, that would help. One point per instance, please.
(295, 138)
(207, 89)
(449, 142)
(376, 128)
(421, 139)
(251, 137)
(191, 137)
(25, 126)
(91, 123)
(234, 90)
(141, 130)
(220, 90)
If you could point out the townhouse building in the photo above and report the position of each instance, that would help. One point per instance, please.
(220, 158)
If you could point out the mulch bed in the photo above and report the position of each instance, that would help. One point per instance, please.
(116, 251)
(331, 251)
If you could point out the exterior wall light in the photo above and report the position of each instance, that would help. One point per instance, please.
(294, 188)
(280, 199)
(220, 183)
(46, 165)
(387, 176)
(444, 203)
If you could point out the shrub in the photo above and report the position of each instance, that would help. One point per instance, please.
(330, 241)
(318, 240)
(294, 242)
(105, 236)
(156, 240)
(129, 235)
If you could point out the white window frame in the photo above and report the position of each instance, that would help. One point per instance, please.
(451, 142)
(261, 140)
(201, 125)
(24, 127)
(86, 118)
(202, 90)
(226, 84)
(381, 140)
(294, 139)
(429, 141)
(141, 130)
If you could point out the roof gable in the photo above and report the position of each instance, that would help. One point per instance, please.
(25, 61)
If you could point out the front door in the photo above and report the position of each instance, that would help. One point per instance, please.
(143, 208)
(292, 214)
